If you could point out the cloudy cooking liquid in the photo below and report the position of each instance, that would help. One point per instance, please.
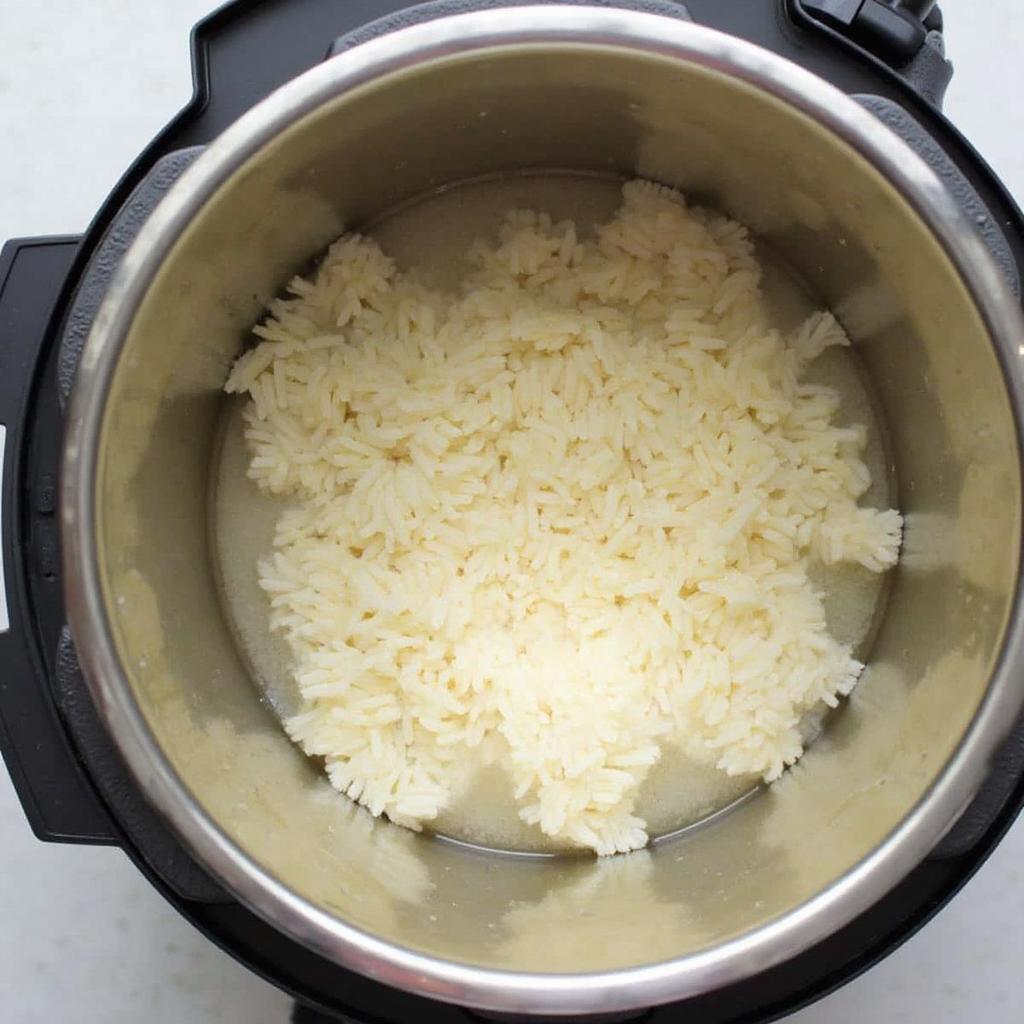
(433, 235)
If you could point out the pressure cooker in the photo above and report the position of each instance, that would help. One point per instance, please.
(127, 715)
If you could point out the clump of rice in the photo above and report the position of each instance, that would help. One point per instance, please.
(558, 519)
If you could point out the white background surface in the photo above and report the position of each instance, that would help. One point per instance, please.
(84, 85)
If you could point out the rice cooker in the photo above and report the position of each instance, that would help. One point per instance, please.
(127, 714)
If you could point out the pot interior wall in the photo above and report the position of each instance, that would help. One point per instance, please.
(859, 246)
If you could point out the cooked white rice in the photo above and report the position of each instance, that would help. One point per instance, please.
(557, 519)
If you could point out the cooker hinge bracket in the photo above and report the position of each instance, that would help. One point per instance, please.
(905, 35)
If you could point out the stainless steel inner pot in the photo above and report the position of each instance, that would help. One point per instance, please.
(869, 227)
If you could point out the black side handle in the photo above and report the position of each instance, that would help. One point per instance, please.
(57, 751)
(55, 794)
(409, 16)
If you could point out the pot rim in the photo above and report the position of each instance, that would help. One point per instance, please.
(458, 37)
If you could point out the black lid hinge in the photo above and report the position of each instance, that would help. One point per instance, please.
(894, 31)
(904, 35)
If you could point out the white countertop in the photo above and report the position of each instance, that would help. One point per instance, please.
(84, 85)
